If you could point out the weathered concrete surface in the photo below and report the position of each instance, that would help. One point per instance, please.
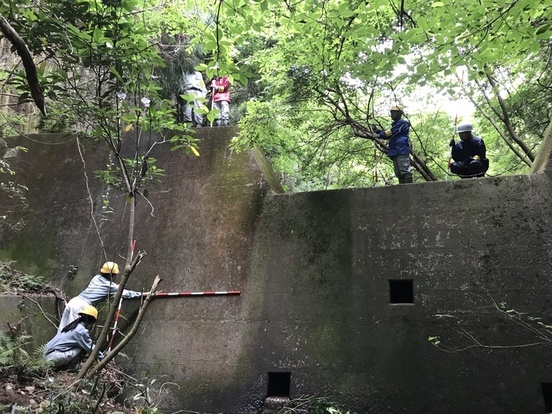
(28, 314)
(322, 265)
(199, 237)
(314, 272)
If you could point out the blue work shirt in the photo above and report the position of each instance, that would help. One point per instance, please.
(101, 287)
(65, 341)
(399, 142)
(469, 148)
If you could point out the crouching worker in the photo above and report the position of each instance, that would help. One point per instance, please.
(469, 154)
(68, 346)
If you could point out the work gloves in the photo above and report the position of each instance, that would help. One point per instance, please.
(468, 160)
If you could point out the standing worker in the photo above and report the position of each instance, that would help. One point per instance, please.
(192, 84)
(469, 154)
(73, 340)
(100, 288)
(399, 144)
(220, 89)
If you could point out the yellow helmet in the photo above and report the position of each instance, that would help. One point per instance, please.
(110, 267)
(397, 108)
(89, 310)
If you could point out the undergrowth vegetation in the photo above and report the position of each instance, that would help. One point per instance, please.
(15, 281)
(30, 385)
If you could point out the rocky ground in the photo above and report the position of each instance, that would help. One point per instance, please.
(57, 392)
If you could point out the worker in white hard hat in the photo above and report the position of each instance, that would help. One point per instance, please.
(469, 154)
(399, 144)
(100, 288)
(192, 97)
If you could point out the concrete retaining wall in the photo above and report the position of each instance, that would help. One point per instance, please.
(316, 271)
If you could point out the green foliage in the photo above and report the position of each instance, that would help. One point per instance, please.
(11, 123)
(13, 280)
(16, 360)
(354, 60)
(101, 78)
(58, 392)
(331, 54)
(312, 405)
(430, 136)
(307, 154)
(345, 60)
(149, 394)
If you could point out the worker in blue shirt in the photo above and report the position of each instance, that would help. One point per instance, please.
(399, 144)
(100, 288)
(73, 340)
(469, 154)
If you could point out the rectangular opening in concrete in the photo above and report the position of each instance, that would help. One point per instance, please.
(278, 384)
(547, 396)
(401, 291)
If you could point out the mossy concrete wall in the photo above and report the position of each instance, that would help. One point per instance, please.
(29, 315)
(323, 264)
(314, 270)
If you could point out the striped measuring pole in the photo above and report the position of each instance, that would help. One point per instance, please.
(204, 293)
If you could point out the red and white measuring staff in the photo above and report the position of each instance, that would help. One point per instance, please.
(204, 293)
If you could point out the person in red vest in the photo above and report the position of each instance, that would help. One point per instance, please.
(220, 89)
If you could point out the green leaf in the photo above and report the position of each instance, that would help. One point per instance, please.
(97, 35)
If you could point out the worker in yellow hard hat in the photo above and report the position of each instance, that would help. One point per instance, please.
(399, 144)
(74, 340)
(100, 288)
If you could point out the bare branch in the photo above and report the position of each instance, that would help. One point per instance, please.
(132, 332)
(28, 64)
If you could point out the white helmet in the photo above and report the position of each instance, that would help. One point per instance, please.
(464, 128)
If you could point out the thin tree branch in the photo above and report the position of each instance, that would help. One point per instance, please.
(110, 317)
(28, 64)
(132, 332)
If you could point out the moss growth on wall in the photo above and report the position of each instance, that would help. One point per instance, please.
(13, 280)
(324, 342)
(35, 255)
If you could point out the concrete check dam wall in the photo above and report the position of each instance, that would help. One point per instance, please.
(340, 290)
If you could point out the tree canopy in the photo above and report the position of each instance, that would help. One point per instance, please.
(310, 77)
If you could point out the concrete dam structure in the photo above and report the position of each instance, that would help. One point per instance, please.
(403, 299)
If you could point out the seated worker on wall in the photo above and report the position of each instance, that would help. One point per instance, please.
(469, 154)
(74, 341)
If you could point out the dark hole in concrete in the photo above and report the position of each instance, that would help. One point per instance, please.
(401, 291)
(278, 384)
(547, 396)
